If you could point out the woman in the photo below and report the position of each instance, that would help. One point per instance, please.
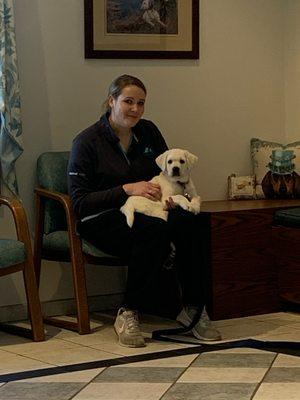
(114, 159)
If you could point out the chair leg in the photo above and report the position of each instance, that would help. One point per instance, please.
(80, 291)
(38, 238)
(33, 301)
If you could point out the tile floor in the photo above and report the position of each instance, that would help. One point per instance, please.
(179, 374)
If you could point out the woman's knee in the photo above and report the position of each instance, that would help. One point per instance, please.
(182, 220)
(151, 228)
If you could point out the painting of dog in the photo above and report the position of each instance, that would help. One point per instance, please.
(175, 182)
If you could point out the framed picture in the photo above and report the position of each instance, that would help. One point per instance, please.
(142, 29)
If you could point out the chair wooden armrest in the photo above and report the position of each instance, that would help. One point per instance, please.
(76, 254)
(34, 306)
(20, 220)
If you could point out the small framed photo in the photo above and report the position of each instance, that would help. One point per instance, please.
(142, 29)
(241, 187)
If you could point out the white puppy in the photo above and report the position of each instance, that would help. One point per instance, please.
(174, 181)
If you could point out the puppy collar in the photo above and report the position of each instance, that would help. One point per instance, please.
(183, 183)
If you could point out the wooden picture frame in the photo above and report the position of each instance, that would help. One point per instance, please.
(167, 29)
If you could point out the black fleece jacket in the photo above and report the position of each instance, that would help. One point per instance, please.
(98, 167)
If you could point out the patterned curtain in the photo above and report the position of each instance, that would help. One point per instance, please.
(10, 112)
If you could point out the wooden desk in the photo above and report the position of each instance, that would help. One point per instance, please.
(240, 261)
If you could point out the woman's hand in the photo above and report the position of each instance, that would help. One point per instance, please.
(149, 190)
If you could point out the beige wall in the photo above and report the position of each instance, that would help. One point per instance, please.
(212, 106)
(292, 69)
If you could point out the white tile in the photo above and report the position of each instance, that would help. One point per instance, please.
(278, 391)
(123, 391)
(229, 375)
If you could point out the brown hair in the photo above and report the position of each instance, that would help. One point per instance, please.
(118, 84)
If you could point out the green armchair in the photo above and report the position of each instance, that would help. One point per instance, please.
(56, 238)
(16, 255)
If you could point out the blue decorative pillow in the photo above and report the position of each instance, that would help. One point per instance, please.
(276, 168)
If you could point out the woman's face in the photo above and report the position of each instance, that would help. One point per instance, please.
(127, 109)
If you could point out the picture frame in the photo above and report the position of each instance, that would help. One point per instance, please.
(241, 187)
(120, 29)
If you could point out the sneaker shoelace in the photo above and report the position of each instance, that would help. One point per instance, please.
(132, 321)
(204, 320)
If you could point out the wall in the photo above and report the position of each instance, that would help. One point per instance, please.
(292, 70)
(212, 106)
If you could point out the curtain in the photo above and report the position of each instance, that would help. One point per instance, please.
(10, 111)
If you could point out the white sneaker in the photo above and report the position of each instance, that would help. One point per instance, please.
(128, 329)
(203, 330)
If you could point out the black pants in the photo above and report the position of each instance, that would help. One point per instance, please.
(146, 246)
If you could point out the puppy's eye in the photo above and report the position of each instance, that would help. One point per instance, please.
(182, 161)
(170, 161)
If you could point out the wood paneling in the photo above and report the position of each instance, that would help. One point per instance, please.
(241, 261)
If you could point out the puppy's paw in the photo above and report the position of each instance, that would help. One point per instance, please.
(129, 214)
(185, 206)
(194, 209)
(195, 205)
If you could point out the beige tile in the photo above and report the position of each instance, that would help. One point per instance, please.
(51, 345)
(251, 329)
(123, 391)
(281, 334)
(278, 391)
(17, 363)
(284, 360)
(231, 321)
(295, 325)
(242, 350)
(59, 333)
(281, 317)
(152, 346)
(72, 356)
(80, 376)
(229, 375)
(103, 334)
(182, 361)
(7, 340)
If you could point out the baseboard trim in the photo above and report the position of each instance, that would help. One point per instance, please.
(18, 312)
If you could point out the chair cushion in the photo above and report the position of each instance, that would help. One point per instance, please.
(52, 175)
(11, 252)
(56, 244)
(288, 217)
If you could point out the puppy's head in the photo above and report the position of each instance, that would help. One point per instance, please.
(176, 163)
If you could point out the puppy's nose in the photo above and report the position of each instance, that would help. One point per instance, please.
(176, 171)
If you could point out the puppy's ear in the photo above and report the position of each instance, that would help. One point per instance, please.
(161, 160)
(191, 159)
